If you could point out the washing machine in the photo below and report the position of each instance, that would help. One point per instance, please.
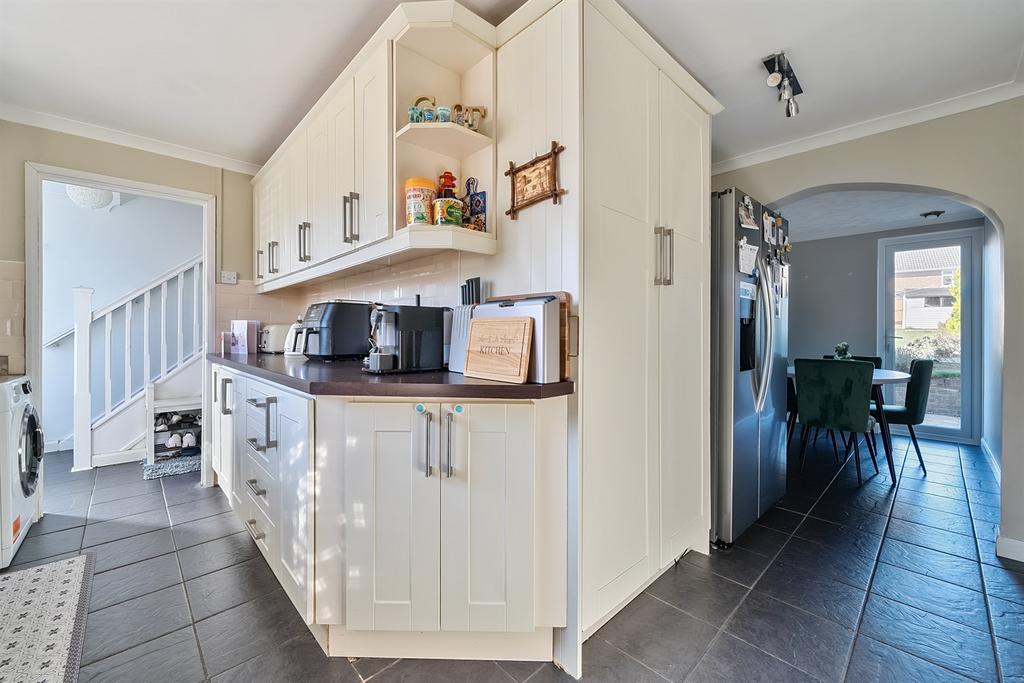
(21, 456)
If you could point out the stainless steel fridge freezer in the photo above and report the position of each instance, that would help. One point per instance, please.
(750, 328)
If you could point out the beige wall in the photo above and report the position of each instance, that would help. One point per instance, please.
(978, 154)
(19, 143)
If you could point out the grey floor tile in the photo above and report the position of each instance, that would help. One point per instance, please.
(520, 671)
(41, 561)
(299, 659)
(56, 521)
(812, 644)
(933, 518)
(67, 503)
(985, 513)
(197, 509)
(780, 520)
(178, 494)
(549, 673)
(125, 507)
(986, 531)
(173, 658)
(368, 666)
(1011, 660)
(930, 537)
(850, 516)
(796, 502)
(1003, 583)
(730, 659)
(984, 497)
(443, 671)
(128, 489)
(59, 542)
(241, 633)
(761, 539)
(602, 663)
(954, 479)
(134, 580)
(118, 475)
(985, 484)
(737, 564)
(987, 550)
(206, 529)
(820, 595)
(661, 637)
(1007, 619)
(947, 643)
(875, 661)
(955, 603)
(125, 527)
(128, 624)
(840, 539)
(216, 554)
(226, 588)
(133, 549)
(957, 507)
(933, 563)
(854, 570)
(698, 591)
(942, 490)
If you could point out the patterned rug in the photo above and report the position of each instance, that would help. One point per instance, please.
(42, 621)
(181, 464)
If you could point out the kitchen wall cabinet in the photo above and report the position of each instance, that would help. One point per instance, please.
(371, 198)
(441, 503)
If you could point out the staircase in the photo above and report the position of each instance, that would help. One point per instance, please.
(152, 336)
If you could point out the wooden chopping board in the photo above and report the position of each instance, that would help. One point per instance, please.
(499, 349)
(564, 308)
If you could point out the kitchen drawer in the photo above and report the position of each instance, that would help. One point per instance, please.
(258, 450)
(262, 488)
(263, 531)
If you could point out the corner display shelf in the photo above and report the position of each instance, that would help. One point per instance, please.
(449, 139)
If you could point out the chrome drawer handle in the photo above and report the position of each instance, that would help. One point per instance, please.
(256, 445)
(427, 469)
(256, 403)
(251, 484)
(250, 524)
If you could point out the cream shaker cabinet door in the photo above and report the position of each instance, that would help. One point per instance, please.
(271, 219)
(261, 227)
(487, 558)
(296, 213)
(314, 231)
(392, 503)
(373, 112)
(235, 404)
(293, 513)
(223, 428)
(341, 127)
(685, 322)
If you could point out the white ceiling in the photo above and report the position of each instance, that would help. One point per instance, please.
(232, 77)
(853, 212)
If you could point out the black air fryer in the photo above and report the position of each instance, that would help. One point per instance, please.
(336, 330)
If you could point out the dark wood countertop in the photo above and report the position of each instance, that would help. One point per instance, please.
(346, 378)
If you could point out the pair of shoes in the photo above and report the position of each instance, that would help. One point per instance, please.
(174, 441)
(179, 441)
(161, 424)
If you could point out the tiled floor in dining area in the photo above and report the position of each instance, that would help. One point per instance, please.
(837, 582)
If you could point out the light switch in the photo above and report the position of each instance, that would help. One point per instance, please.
(228, 277)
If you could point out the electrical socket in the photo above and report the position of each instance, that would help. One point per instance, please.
(228, 277)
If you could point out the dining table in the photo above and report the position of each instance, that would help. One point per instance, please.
(879, 379)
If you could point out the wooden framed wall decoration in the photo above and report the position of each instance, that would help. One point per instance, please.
(535, 181)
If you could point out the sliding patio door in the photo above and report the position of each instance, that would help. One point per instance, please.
(929, 307)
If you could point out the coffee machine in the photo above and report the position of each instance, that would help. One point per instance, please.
(335, 330)
(406, 338)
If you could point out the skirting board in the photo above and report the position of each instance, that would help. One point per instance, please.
(530, 647)
(119, 457)
(993, 461)
(1010, 548)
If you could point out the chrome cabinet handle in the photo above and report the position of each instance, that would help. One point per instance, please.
(308, 228)
(224, 382)
(303, 242)
(273, 265)
(449, 419)
(268, 442)
(255, 402)
(257, 491)
(259, 264)
(354, 204)
(254, 442)
(659, 254)
(346, 218)
(671, 233)
(427, 469)
(250, 524)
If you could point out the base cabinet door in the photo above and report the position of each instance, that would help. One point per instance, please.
(487, 552)
(292, 506)
(237, 446)
(224, 432)
(392, 503)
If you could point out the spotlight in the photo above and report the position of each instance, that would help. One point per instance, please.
(781, 76)
(786, 90)
(792, 108)
(775, 77)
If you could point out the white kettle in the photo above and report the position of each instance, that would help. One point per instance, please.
(295, 342)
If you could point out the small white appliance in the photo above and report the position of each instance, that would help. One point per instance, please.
(295, 341)
(274, 338)
(21, 455)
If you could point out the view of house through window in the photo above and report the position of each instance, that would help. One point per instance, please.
(928, 325)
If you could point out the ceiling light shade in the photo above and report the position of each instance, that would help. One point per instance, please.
(786, 91)
(775, 77)
(792, 108)
(89, 197)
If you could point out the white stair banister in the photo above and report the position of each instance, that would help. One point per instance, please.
(82, 315)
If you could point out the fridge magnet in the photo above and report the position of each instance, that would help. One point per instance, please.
(535, 181)
(769, 227)
(746, 210)
(747, 257)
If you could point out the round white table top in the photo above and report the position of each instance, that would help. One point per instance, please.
(879, 377)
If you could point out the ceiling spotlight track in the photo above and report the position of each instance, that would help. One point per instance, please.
(781, 76)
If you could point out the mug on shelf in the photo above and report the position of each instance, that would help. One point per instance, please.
(458, 115)
(422, 110)
(444, 114)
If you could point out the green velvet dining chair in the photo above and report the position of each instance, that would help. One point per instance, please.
(875, 361)
(834, 395)
(912, 412)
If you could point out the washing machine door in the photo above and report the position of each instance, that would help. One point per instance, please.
(30, 450)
